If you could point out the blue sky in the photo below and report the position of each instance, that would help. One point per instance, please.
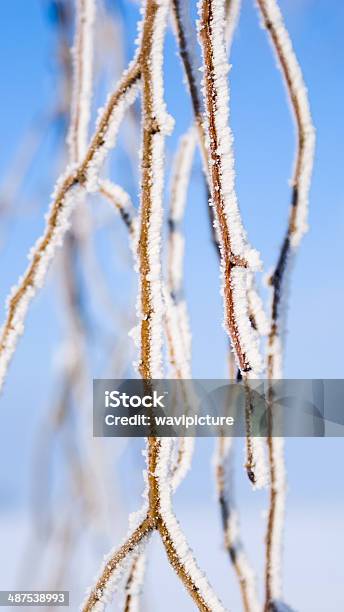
(264, 150)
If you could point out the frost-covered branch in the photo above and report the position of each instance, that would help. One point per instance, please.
(255, 462)
(298, 216)
(237, 258)
(187, 43)
(232, 10)
(255, 454)
(176, 242)
(297, 226)
(115, 566)
(177, 549)
(177, 319)
(156, 124)
(121, 200)
(134, 583)
(82, 78)
(69, 190)
(231, 527)
(179, 186)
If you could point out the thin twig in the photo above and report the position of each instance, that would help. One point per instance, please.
(236, 256)
(82, 79)
(114, 564)
(231, 527)
(69, 189)
(297, 226)
(134, 584)
(175, 322)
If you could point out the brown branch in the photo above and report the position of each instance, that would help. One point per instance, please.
(115, 561)
(305, 143)
(273, 22)
(180, 569)
(217, 189)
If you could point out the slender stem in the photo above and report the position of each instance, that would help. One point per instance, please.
(230, 524)
(56, 226)
(115, 561)
(180, 569)
(297, 225)
(229, 260)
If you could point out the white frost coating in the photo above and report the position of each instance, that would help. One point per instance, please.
(297, 227)
(248, 338)
(165, 123)
(275, 351)
(82, 79)
(277, 532)
(123, 205)
(154, 241)
(239, 242)
(183, 551)
(179, 187)
(242, 562)
(40, 270)
(176, 318)
(109, 138)
(164, 120)
(177, 310)
(184, 465)
(123, 568)
(134, 590)
(181, 365)
(223, 460)
(224, 158)
(300, 95)
(232, 18)
(260, 467)
(256, 308)
(258, 449)
(116, 579)
(184, 327)
(190, 42)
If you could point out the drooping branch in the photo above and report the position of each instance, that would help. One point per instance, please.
(115, 566)
(298, 216)
(297, 226)
(175, 255)
(69, 189)
(134, 583)
(177, 549)
(82, 79)
(231, 527)
(187, 42)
